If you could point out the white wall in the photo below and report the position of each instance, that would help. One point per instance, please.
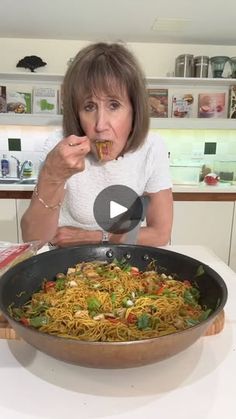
(156, 59)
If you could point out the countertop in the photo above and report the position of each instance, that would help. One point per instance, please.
(198, 383)
(198, 188)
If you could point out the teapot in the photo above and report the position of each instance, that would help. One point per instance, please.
(211, 179)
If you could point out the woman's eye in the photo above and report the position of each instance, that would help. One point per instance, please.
(114, 105)
(88, 107)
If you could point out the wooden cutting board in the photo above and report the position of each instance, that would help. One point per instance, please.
(6, 331)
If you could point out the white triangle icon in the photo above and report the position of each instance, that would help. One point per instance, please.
(116, 209)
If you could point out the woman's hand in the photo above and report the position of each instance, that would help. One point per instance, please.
(71, 236)
(66, 158)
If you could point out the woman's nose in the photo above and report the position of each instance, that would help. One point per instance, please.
(101, 120)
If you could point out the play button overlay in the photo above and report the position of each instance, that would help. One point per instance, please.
(118, 209)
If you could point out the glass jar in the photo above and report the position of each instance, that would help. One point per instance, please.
(218, 64)
(201, 65)
(184, 66)
(233, 67)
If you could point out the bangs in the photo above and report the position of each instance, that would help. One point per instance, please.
(100, 78)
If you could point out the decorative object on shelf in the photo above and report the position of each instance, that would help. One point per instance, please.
(184, 66)
(232, 62)
(201, 65)
(217, 65)
(158, 103)
(232, 102)
(31, 62)
(211, 105)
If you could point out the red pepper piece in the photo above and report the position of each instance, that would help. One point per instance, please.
(49, 285)
(131, 318)
(25, 321)
(160, 290)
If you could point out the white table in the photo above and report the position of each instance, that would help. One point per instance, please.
(198, 383)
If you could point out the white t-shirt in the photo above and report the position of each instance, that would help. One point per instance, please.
(144, 170)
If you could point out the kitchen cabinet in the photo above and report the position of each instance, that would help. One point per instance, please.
(232, 256)
(8, 222)
(11, 211)
(21, 207)
(182, 84)
(204, 223)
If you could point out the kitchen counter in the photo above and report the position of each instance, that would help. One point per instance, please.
(197, 383)
(199, 192)
(201, 187)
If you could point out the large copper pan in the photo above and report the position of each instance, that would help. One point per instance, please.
(27, 276)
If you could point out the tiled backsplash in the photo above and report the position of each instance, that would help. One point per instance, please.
(193, 147)
(190, 144)
(185, 146)
(32, 140)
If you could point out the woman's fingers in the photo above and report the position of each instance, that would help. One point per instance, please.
(76, 147)
(74, 140)
(68, 157)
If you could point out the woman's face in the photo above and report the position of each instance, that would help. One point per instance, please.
(104, 117)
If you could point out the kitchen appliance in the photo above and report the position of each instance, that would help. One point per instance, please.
(226, 169)
(184, 66)
(184, 173)
(21, 281)
(217, 65)
(201, 65)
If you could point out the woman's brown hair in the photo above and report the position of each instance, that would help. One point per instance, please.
(103, 67)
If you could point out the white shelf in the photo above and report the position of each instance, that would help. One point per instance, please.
(188, 81)
(24, 77)
(193, 123)
(30, 78)
(161, 123)
(30, 119)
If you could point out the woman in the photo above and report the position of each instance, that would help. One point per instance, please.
(105, 142)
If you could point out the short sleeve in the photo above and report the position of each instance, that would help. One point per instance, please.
(159, 177)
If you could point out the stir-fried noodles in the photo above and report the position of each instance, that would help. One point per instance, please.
(97, 301)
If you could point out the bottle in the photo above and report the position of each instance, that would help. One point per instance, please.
(28, 168)
(4, 166)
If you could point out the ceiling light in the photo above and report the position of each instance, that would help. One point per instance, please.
(170, 24)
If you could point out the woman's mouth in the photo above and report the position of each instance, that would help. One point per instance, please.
(103, 148)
